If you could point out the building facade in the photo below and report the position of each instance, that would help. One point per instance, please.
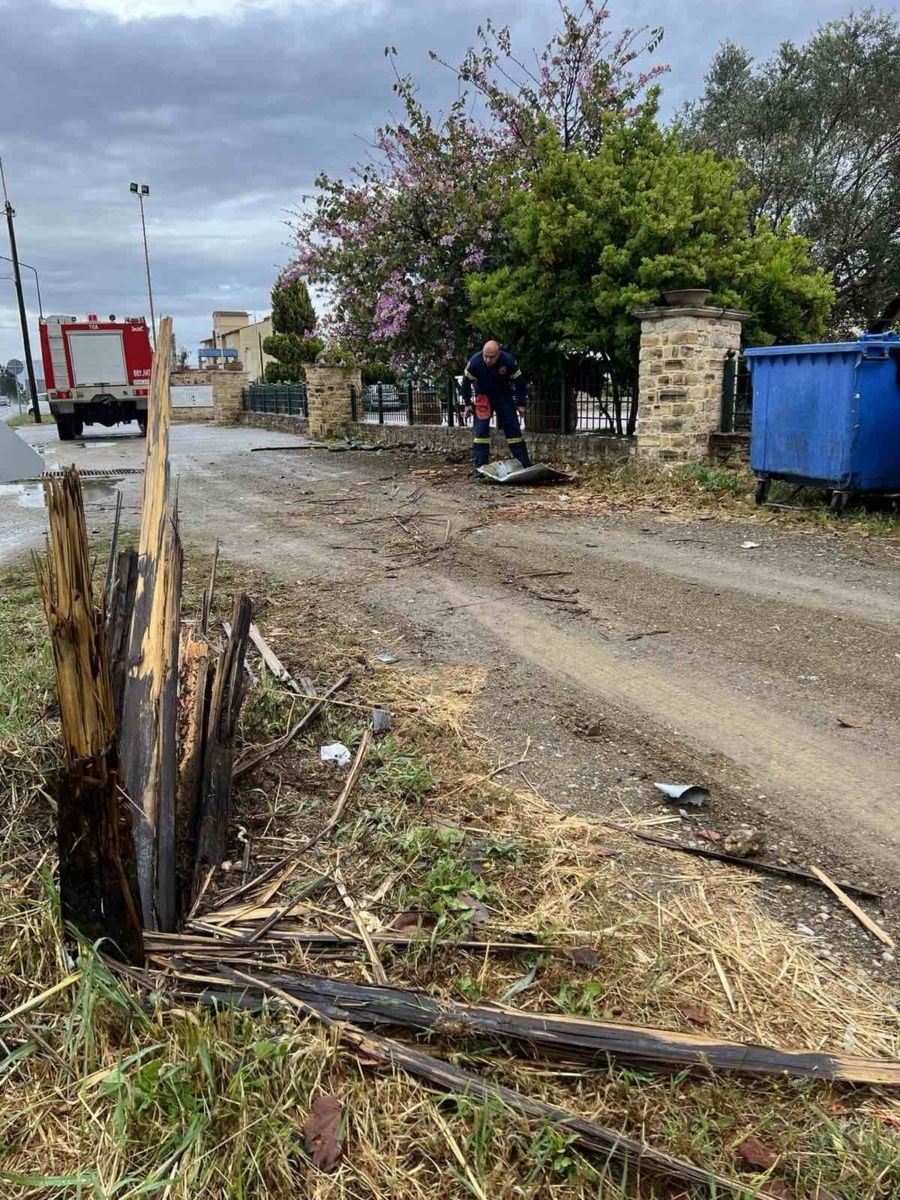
(234, 331)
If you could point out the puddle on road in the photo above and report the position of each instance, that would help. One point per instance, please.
(31, 495)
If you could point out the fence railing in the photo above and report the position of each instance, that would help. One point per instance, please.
(285, 399)
(589, 400)
(737, 394)
(403, 404)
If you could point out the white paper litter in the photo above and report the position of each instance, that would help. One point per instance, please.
(337, 752)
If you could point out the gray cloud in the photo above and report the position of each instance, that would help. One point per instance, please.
(230, 120)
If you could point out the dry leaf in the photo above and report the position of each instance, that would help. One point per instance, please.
(782, 1191)
(757, 1154)
(698, 1014)
(322, 1132)
(845, 723)
(708, 835)
(410, 919)
(480, 915)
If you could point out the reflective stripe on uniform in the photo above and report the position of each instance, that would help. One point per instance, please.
(468, 374)
(509, 441)
(518, 375)
(485, 441)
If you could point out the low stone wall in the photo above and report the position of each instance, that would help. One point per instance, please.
(227, 388)
(278, 422)
(729, 449)
(438, 439)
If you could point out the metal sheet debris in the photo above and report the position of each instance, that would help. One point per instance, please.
(18, 461)
(510, 470)
(684, 793)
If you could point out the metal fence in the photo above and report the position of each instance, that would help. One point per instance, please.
(737, 394)
(403, 404)
(287, 399)
(590, 399)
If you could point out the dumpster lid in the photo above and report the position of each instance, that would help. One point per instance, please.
(865, 340)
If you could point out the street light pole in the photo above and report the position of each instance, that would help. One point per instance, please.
(20, 296)
(141, 190)
(37, 282)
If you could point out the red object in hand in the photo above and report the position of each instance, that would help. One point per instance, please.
(482, 407)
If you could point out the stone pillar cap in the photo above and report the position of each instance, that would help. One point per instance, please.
(662, 312)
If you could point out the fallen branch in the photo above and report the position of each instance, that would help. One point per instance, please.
(208, 948)
(349, 785)
(378, 970)
(863, 918)
(587, 1134)
(572, 1038)
(274, 663)
(747, 864)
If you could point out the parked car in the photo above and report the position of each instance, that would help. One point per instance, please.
(392, 398)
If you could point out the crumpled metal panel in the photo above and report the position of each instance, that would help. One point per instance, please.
(510, 470)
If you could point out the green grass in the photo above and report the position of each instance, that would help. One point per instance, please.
(710, 487)
(709, 478)
(24, 418)
(110, 1094)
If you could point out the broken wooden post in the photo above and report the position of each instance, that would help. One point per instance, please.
(147, 732)
(97, 867)
(218, 766)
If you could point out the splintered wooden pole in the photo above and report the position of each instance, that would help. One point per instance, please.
(118, 623)
(194, 691)
(166, 887)
(147, 734)
(218, 766)
(97, 875)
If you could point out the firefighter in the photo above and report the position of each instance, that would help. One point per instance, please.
(494, 376)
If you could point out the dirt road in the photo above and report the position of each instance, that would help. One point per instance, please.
(661, 649)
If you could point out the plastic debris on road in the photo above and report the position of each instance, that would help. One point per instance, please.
(386, 658)
(684, 793)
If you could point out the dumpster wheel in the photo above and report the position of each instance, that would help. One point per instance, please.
(761, 494)
(838, 502)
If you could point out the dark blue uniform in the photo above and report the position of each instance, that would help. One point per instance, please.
(504, 387)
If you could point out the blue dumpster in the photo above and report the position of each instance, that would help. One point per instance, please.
(827, 415)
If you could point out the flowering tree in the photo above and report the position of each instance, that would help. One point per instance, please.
(584, 71)
(395, 246)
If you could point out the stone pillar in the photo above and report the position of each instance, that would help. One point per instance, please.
(680, 383)
(227, 387)
(328, 397)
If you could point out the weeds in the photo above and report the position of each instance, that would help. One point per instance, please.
(110, 1096)
(710, 478)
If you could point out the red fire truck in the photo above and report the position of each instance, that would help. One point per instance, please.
(97, 371)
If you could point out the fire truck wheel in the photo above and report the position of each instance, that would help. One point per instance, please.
(77, 427)
(142, 426)
(65, 427)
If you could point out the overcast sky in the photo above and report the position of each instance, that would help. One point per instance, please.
(228, 109)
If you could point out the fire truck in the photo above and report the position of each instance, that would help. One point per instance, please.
(97, 371)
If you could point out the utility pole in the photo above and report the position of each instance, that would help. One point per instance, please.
(17, 280)
(141, 190)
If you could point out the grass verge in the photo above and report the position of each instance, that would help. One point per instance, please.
(109, 1095)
